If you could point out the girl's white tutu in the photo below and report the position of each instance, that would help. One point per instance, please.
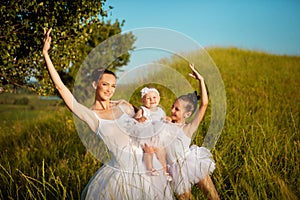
(188, 170)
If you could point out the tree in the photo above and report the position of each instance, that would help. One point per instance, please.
(78, 27)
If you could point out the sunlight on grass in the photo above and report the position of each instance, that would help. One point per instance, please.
(257, 154)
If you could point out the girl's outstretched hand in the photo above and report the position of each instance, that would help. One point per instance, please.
(195, 73)
(47, 40)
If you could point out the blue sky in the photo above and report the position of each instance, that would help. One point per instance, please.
(266, 25)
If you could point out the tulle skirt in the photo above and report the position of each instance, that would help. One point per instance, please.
(187, 171)
(111, 183)
(152, 133)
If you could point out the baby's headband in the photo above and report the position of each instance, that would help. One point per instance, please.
(146, 90)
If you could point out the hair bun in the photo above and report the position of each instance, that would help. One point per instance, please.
(197, 96)
(193, 97)
(192, 101)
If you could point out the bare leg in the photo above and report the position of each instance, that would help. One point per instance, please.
(161, 155)
(148, 157)
(208, 187)
(185, 196)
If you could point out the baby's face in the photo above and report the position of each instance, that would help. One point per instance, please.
(151, 99)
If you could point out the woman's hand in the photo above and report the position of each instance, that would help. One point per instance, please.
(195, 74)
(47, 40)
(168, 119)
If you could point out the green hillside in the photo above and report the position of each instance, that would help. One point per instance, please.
(258, 151)
(257, 154)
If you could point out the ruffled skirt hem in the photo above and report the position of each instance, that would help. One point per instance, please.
(187, 171)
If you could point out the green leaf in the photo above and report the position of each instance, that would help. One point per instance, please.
(73, 37)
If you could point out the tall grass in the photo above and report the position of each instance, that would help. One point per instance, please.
(257, 154)
(43, 158)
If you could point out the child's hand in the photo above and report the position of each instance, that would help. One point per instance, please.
(195, 73)
(148, 149)
(141, 119)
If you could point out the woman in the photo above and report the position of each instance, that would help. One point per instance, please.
(123, 177)
(190, 165)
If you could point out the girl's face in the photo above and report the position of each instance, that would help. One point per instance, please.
(151, 99)
(178, 111)
(106, 87)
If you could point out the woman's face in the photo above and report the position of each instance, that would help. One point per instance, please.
(178, 111)
(151, 99)
(106, 87)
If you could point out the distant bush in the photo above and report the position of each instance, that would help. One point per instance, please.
(21, 101)
(31, 107)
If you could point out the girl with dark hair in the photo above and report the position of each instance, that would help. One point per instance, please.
(190, 165)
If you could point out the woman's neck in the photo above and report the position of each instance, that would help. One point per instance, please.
(102, 105)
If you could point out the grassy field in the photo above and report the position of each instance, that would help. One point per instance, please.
(257, 154)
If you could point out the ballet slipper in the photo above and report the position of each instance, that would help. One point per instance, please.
(168, 177)
(153, 172)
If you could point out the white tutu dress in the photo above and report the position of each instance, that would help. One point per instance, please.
(124, 177)
(188, 165)
(149, 132)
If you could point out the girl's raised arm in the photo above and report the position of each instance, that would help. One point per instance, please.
(81, 111)
(193, 125)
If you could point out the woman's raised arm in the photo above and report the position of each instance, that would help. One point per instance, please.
(193, 125)
(81, 111)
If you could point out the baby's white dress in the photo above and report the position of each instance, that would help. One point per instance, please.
(151, 131)
(124, 177)
(187, 165)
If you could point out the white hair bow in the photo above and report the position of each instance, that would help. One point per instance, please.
(146, 90)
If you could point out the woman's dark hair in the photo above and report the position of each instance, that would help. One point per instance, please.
(98, 73)
(192, 101)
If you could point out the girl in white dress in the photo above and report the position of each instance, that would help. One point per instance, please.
(124, 176)
(190, 165)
